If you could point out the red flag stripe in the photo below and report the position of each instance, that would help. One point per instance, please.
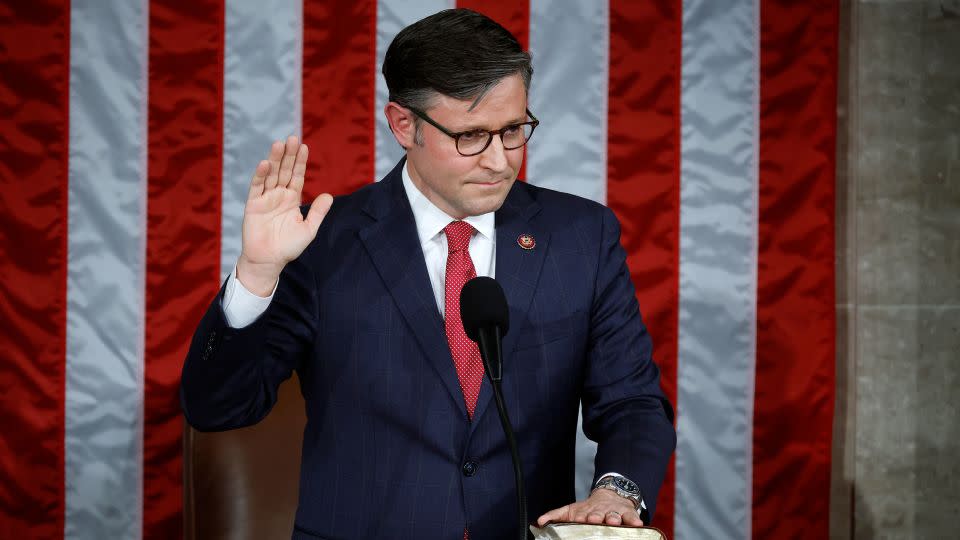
(339, 55)
(34, 107)
(643, 164)
(184, 167)
(793, 411)
(514, 16)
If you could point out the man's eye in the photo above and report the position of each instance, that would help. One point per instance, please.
(472, 136)
(512, 130)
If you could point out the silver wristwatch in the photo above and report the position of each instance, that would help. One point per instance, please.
(627, 489)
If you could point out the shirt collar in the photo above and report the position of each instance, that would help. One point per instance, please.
(431, 220)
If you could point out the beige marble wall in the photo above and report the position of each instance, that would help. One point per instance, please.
(897, 428)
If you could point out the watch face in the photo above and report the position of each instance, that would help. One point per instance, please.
(626, 485)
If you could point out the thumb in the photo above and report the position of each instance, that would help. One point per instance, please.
(557, 514)
(318, 210)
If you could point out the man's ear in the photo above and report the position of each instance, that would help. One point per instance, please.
(402, 123)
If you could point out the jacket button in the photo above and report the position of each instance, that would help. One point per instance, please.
(470, 468)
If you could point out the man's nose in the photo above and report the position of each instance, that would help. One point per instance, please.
(495, 156)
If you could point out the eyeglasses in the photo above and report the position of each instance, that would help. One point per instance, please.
(473, 142)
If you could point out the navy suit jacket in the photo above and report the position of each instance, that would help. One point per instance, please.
(387, 435)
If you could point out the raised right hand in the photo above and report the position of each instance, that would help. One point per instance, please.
(274, 230)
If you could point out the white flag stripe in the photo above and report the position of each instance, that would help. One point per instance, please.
(106, 255)
(393, 16)
(718, 258)
(569, 95)
(569, 44)
(261, 100)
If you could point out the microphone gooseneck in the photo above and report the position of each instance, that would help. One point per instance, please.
(486, 319)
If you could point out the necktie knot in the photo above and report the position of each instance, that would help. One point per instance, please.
(458, 235)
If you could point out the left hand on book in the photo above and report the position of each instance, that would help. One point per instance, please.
(603, 507)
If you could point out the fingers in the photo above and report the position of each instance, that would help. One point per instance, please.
(259, 177)
(286, 166)
(583, 512)
(632, 519)
(318, 210)
(613, 518)
(299, 168)
(276, 155)
(595, 517)
(290, 154)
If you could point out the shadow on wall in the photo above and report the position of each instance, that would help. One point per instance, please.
(862, 525)
(950, 9)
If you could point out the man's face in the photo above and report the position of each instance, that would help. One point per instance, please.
(460, 185)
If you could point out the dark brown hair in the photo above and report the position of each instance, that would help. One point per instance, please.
(458, 53)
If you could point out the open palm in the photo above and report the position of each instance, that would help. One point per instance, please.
(274, 230)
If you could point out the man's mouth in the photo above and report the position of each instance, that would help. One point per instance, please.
(493, 182)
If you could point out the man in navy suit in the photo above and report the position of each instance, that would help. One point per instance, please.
(360, 296)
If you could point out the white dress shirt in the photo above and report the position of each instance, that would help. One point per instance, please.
(241, 307)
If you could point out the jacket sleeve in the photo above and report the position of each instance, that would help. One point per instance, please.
(231, 376)
(624, 409)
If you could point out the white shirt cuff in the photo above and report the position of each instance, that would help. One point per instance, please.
(240, 306)
(602, 476)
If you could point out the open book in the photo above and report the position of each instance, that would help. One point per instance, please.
(583, 531)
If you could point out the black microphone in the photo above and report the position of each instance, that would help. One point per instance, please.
(486, 319)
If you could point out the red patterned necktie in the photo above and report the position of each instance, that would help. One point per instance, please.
(460, 269)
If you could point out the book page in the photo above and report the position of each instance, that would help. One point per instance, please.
(583, 531)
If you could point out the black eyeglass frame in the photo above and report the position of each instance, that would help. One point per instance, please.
(456, 135)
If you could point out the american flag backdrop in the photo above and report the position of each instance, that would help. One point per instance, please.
(129, 130)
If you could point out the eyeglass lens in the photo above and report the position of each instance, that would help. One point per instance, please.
(475, 142)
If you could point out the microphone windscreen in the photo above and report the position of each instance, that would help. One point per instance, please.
(483, 305)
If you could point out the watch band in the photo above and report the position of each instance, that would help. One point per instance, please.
(627, 489)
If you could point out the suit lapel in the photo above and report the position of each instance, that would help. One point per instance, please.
(394, 247)
(517, 270)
